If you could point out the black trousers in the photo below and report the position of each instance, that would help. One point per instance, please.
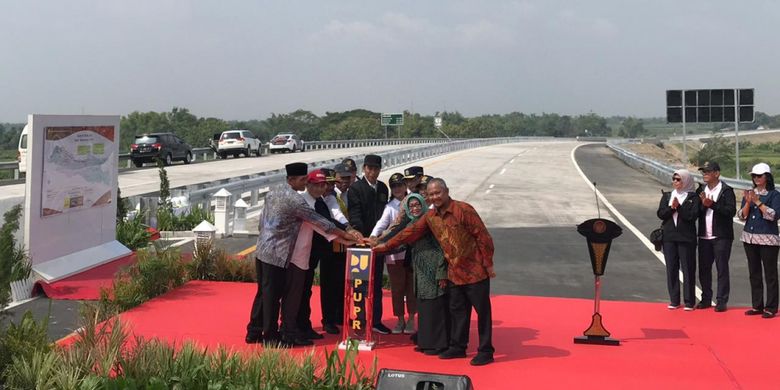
(378, 271)
(273, 283)
(303, 318)
(462, 299)
(680, 255)
(762, 258)
(433, 319)
(292, 300)
(718, 251)
(255, 325)
(332, 273)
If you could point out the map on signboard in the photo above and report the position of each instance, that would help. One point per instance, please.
(79, 163)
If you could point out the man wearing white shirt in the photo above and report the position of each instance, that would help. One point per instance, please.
(716, 233)
(300, 273)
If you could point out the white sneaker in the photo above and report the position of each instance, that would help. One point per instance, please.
(399, 327)
(672, 307)
(688, 308)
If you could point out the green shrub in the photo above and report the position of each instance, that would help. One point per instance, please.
(204, 261)
(20, 341)
(132, 233)
(236, 270)
(14, 263)
(168, 221)
(212, 263)
(157, 271)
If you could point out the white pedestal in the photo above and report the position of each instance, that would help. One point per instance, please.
(62, 267)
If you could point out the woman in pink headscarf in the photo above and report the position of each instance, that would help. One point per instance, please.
(679, 210)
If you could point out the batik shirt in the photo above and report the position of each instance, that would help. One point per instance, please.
(463, 237)
(283, 213)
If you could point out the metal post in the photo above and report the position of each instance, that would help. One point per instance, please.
(685, 147)
(736, 129)
(597, 299)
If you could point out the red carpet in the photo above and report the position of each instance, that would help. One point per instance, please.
(533, 339)
(85, 285)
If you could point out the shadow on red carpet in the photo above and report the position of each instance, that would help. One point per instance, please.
(533, 340)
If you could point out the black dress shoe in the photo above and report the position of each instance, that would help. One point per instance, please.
(330, 329)
(754, 312)
(452, 354)
(312, 335)
(253, 339)
(703, 305)
(381, 328)
(721, 307)
(431, 352)
(768, 314)
(481, 359)
(298, 342)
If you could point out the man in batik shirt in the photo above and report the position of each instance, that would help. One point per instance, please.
(468, 248)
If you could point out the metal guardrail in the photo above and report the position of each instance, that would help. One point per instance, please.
(253, 186)
(662, 172)
(207, 154)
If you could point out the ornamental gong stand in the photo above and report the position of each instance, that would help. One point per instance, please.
(599, 233)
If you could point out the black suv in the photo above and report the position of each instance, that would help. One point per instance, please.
(167, 146)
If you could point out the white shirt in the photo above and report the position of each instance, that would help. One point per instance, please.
(342, 196)
(302, 249)
(711, 194)
(681, 196)
(373, 185)
(335, 210)
(389, 215)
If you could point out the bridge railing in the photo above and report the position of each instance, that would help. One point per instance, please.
(660, 171)
(207, 154)
(253, 187)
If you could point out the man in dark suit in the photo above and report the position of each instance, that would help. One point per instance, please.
(367, 198)
(716, 233)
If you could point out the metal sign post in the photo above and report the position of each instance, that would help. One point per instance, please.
(736, 128)
(685, 146)
(711, 106)
(392, 119)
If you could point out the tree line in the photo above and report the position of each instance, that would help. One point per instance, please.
(364, 124)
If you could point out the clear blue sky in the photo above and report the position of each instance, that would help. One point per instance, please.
(247, 59)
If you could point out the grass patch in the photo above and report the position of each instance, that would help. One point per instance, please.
(104, 356)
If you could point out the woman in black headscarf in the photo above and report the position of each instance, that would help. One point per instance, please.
(679, 210)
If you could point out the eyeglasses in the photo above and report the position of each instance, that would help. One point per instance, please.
(676, 179)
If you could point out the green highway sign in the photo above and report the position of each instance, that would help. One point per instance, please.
(392, 119)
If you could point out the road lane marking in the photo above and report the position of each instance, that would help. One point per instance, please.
(491, 186)
(502, 171)
(487, 192)
(623, 219)
(512, 161)
(247, 251)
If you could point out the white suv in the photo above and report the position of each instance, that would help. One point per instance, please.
(285, 143)
(238, 142)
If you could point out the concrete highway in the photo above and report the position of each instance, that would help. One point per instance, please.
(531, 196)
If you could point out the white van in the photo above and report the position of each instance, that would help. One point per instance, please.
(21, 153)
